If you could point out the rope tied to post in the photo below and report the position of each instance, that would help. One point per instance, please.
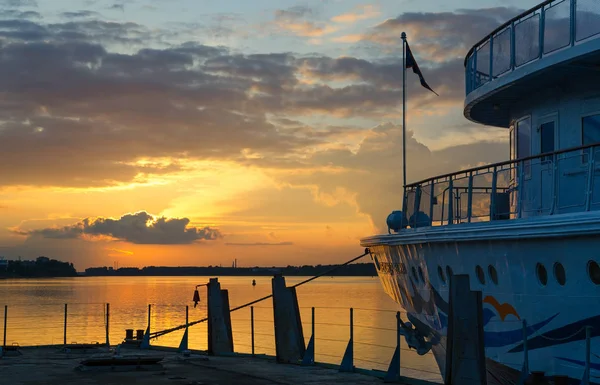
(180, 327)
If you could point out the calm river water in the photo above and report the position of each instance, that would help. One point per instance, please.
(36, 314)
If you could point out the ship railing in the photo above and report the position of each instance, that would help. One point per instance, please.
(549, 27)
(558, 182)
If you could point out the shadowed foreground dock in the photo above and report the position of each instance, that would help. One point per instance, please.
(50, 365)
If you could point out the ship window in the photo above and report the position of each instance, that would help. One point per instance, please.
(560, 274)
(441, 274)
(547, 137)
(421, 274)
(449, 272)
(493, 274)
(590, 131)
(542, 274)
(524, 142)
(512, 142)
(594, 272)
(480, 274)
(414, 273)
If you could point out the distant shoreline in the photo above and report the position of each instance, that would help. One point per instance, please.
(354, 270)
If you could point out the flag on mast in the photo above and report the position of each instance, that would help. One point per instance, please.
(412, 63)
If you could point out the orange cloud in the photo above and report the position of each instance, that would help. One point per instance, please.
(362, 13)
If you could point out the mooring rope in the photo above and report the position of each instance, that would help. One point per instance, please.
(180, 327)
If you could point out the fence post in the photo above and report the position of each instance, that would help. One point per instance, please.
(393, 372)
(347, 364)
(309, 353)
(5, 320)
(588, 349)
(107, 325)
(65, 329)
(525, 370)
(183, 345)
(252, 327)
(146, 340)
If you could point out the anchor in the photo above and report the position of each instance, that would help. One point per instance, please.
(414, 338)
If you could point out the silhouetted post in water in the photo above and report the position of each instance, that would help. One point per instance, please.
(5, 319)
(149, 312)
(65, 332)
(107, 324)
(313, 329)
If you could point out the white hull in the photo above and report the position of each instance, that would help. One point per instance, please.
(556, 314)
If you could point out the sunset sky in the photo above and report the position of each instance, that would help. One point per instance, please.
(193, 132)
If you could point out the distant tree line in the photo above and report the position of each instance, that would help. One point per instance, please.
(41, 267)
(358, 269)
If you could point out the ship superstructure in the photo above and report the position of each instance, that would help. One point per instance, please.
(526, 230)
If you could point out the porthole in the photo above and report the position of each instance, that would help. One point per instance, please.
(414, 273)
(480, 274)
(493, 274)
(421, 274)
(594, 272)
(441, 274)
(449, 273)
(559, 274)
(542, 274)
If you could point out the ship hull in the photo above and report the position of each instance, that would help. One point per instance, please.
(414, 272)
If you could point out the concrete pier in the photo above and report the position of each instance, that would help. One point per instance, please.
(53, 366)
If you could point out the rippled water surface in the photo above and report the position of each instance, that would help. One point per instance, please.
(36, 314)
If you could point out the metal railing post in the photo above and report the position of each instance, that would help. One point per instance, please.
(431, 200)
(450, 202)
(513, 48)
(5, 323)
(542, 27)
(149, 313)
(107, 324)
(493, 196)
(252, 327)
(352, 325)
(491, 58)
(470, 198)
(65, 329)
(573, 24)
(590, 179)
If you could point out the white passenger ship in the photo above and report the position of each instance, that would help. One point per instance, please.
(527, 230)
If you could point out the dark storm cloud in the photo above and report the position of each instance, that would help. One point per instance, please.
(138, 228)
(441, 36)
(79, 14)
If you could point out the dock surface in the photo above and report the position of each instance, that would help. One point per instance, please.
(51, 365)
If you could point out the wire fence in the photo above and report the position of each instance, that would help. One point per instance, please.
(252, 331)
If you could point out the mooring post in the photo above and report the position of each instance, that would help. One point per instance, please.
(588, 350)
(347, 364)
(65, 331)
(146, 339)
(107, 325)
(252, 327)
(525, 370)
(5, 320)
(289, 337)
